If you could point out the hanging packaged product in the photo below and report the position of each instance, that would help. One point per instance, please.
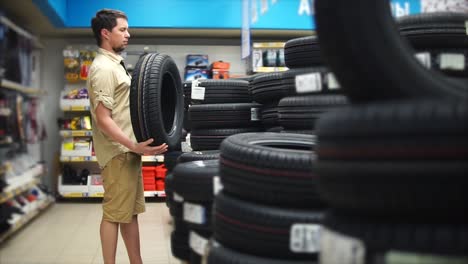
(86, 57)
(71, 60)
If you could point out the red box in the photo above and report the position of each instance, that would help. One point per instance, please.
(148, 171)
(161, 171)
(149, 187)
(160, 186)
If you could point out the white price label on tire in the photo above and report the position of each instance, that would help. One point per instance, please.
(254, 114)
(194, 213)
(197, 243)
(466, 26)
(198, 93)
(217, 185)
(340, 249)
(332, 82)
(450, 61)
(424, 58)
(177, 197)
(305, 238)
(309, 83)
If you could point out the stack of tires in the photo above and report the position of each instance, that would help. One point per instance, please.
(393, 165)
(220, 108)
(294, 99)
(189, 196)
(268, 210)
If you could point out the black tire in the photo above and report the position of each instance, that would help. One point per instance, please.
(224, 91)
(270, 115)
(199, 155)
(156, 100)
(397, 234)
(210, 139)
(168, 188)
(170, 160)
(345, 33)
(179, 246)
(435, 30)
(223, 115)
(271, 168)
(194, 180)
(301, 112)
(260, 230)
(411, 159)
(272, 87)
(302, 53)
(303, 132)
(275, 129)
(223, 255)
(437, 58)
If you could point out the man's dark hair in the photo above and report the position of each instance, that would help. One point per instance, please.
(105, 18)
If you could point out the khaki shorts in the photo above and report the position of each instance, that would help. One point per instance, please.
(123, 188)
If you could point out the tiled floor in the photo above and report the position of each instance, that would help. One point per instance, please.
(69, 233)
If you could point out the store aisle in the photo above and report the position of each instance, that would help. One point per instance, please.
(69, 233)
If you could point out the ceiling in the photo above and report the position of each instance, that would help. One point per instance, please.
(28, 16)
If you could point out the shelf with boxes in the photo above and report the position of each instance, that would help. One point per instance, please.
(197, 66)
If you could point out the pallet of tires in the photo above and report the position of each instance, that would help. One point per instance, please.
(392, 165)
(268, 210)
(287, 98)
(189, 196)
(220, 108)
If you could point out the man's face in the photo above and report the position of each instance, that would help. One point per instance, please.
(119, 36)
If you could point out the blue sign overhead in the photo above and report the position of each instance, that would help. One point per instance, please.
(224, 14)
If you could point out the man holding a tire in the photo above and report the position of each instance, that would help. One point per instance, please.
(117, 150)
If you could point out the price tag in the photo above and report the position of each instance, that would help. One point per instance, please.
(197, 243)
(194, 213)
(466, 26)
(395, 257)
(254, 114)
(424, 58)
(452, 61)
(217, 185)
(309, 83)
(305, 238)
(338, 248)
(198, 93)
(177, 197)
(332, 82)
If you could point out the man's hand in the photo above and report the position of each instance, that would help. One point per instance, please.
(143, 148)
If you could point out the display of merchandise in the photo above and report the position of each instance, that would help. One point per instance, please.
(76, 63)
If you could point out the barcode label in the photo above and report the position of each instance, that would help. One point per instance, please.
(194, 213)
(305, 238)
(450, 61)
(337, 248)
(309, 83)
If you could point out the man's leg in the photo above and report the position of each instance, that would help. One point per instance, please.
(131, 236)
(109, 232)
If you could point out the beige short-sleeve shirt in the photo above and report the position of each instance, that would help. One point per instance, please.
(109, 83)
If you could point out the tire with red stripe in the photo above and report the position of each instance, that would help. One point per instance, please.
(266, 231)
(270, 168)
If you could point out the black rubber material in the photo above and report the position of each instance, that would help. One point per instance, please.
(179, 245)
(395, 131)
(272, 87)
(301, 112)
(224, 91)
(168, 188)
(269, 115)
(194, 180)
(397, 234)
(388, 70)
(395, 159)
(156, 100)
(270, 168)
(210, 139)
(222, 115)
(223, 255)
(432, 30)
(304, 132)
(199, 155)
(170, 159)
(302, 53)
(258, 229)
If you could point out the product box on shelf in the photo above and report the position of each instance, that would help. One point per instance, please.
(197, 60)
(195, 74)
(220, 74)
(72, 147)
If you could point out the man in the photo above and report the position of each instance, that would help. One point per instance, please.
(115, 145)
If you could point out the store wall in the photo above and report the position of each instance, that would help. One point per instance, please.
(53, 81)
